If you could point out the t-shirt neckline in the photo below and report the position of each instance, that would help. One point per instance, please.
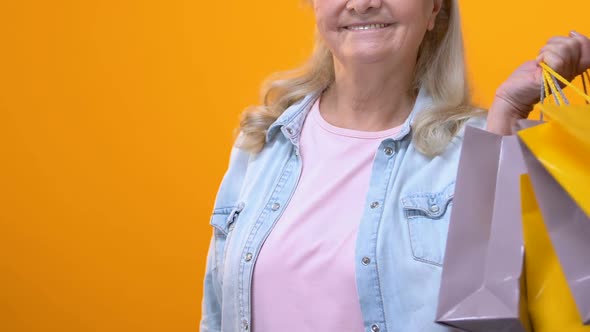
(317, 116)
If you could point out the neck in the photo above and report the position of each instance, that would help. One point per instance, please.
(369, 97)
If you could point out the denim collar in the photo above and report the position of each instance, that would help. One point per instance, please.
(291, 121)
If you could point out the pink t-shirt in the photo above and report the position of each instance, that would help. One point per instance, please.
(304, 277)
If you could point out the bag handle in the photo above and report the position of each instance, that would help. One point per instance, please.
(567, 121)
(586, 77)
(556, 90)
(550, 78)
(550, 86)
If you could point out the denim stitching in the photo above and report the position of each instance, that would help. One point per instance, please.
(413, 211)
(388, 168)
(263, 215)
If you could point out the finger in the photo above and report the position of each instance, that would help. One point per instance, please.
(554, 45)
(584, 62)
(553, 52)
(568, 51)
(552, 59)
(572, 44)
(557, 40)
(556, 61)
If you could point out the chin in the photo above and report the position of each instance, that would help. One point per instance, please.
(368, 57)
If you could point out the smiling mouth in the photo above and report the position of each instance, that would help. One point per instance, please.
(367, 27)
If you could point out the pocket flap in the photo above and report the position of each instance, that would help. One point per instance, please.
(432, 205)
(223, 218)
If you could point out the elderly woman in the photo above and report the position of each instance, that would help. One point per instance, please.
(333, 213)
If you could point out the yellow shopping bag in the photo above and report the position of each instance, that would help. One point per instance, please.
(550, 302)
(562, 145)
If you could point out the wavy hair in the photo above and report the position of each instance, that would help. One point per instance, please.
(440, 69)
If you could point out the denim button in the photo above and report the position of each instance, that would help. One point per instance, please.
(374, 205)
(434, 208)
(388, 151)
(245, 325)
(375, 328)
(290, 131)
(276, 206)
(366, 260)
(248, 257)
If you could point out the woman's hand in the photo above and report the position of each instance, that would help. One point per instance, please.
(516, 97)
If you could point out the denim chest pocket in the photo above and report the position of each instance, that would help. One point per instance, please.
(427, 215)
(223, 221)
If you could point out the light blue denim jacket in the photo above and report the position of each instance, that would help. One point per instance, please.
(401, 237)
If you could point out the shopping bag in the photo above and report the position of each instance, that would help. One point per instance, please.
(482, 287)
(557, 162)
(562, 145)
(550, 301)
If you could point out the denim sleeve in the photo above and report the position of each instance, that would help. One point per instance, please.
(211, 302)
(227, 195)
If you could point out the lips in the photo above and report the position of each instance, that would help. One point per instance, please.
(367, 26)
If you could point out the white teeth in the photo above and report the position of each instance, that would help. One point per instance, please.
(367, 27)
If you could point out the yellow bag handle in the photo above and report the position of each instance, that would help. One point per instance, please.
(552, 85)
(568, 120)
(549, 83)
(586, 77)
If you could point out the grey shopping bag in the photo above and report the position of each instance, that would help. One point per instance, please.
(482, 287)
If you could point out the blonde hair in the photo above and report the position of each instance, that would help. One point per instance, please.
(440, 69)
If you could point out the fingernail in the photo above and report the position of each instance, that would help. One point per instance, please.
(573, 33)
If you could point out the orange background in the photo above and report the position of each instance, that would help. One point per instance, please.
(116, 122)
